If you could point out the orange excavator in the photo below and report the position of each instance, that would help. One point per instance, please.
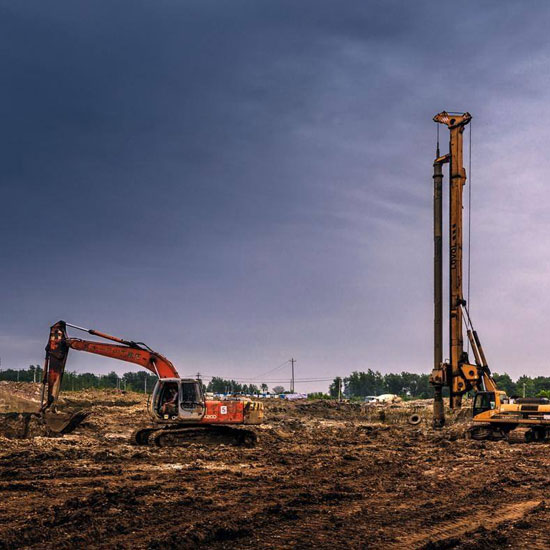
(178, 408)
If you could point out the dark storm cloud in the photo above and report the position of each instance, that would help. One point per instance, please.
(234, 182)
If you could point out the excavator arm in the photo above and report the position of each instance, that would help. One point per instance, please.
(59, 344)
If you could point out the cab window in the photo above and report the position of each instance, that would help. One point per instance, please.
(485, 401)
(188, 393)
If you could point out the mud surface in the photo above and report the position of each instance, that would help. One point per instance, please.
(323, 475)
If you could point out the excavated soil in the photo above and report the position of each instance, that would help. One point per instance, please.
(323, 475)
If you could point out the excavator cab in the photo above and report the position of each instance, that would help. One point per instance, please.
(177, 399)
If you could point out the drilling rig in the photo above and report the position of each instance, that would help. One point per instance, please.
(495, 414)
(457, 373)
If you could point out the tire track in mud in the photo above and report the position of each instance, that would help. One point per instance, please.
(487, 518)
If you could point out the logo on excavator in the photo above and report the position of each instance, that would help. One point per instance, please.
(223, 409)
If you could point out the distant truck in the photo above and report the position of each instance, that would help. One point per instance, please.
(384, 398)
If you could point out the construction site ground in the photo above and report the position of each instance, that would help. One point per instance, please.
(322, 475)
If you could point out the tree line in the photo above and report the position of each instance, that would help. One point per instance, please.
(417, 386)
(221, 385)
(539, 386)
(358, 384)
(361, 384)
(140, 381)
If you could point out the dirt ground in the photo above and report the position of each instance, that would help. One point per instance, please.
(323, 475)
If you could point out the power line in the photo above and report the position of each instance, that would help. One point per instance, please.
(271, 381)
(272, 370)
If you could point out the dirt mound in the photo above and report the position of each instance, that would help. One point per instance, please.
(19, 397)
(97, 397)
(21, 425)
(326, 409)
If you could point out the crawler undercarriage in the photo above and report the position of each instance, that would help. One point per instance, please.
(491, 432)
(174, 435)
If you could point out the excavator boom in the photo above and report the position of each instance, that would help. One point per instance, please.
(59, 344)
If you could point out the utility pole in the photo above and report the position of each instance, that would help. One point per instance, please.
(145, 385)
(339, 389)
(292, 361)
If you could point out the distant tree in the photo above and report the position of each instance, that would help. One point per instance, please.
(137, 381)
(360, 384)
(395, 383)
(527, 383)
(318, 395)
(541, 383)
(216, 385)
(414, 385)
(336, 385)
(505, 383)
(278, 389)
(264, 387)
(220, 385)
(111, 379)
(423, 388)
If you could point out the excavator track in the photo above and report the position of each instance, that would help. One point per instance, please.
(485, 433)
(180, 436)
(141, 436)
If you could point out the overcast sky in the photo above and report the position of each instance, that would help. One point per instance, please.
(238, 182)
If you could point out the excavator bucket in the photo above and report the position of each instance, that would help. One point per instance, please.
(64, 423)
(56, 357)
(54, 366)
